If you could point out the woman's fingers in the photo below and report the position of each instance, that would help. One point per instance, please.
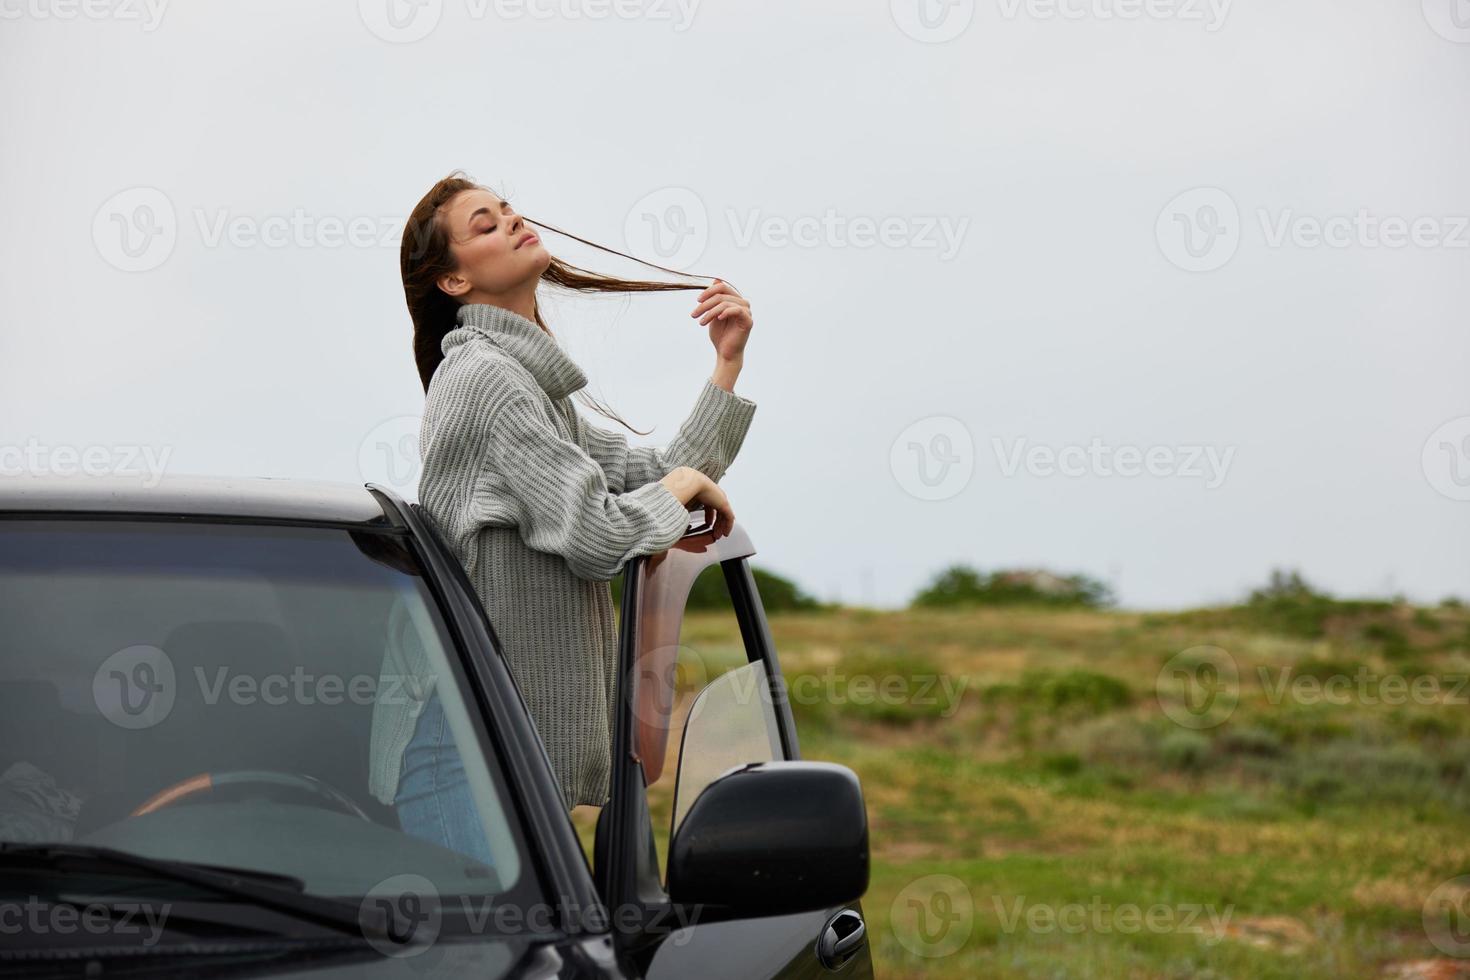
(720, 292)
(719, 312)
(717, 301)
(718, 286)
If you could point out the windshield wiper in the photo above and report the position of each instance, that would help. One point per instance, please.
(280, 893)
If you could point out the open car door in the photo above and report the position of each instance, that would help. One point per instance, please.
(765, 856)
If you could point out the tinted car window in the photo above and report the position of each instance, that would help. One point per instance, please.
(206, 692)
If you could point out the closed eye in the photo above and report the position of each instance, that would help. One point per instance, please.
(504, 206)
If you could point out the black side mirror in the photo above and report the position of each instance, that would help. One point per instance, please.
(772, 838)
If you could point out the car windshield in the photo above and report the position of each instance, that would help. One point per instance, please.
(247, 696)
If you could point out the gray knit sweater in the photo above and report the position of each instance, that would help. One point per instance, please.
(543, 509)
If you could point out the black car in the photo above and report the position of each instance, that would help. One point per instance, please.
(191, 678)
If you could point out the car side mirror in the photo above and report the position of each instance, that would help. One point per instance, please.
(772, 838)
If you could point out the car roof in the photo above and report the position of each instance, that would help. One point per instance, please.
(263, 498)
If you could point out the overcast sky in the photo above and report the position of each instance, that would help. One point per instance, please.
(1001, 254)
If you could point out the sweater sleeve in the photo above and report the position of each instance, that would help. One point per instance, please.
(564, 501)
(707, 441)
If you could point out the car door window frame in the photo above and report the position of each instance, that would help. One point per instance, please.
(627, 866)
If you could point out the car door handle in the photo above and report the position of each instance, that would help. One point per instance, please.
(841, 938)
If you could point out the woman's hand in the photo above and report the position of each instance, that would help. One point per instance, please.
(694, 488)
(729, 319)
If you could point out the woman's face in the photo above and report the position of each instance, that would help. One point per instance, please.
(496, 250)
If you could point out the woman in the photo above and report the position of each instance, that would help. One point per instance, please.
(541, 507)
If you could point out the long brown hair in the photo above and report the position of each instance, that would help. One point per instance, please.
(424, 256)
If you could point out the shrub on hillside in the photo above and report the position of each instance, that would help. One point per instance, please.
(1076, 692)
(963, 585)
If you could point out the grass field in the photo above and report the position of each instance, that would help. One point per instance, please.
(1108, 794)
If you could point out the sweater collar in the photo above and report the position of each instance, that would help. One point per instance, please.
(524, 340)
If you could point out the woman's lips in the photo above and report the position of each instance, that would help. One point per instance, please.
(528, 239)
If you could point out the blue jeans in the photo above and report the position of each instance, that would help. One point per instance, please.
(433, 799)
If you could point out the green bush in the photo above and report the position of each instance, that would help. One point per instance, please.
(963, 585)
(1390, 638)
(1185, 750)
(1365, 773)
(1074, 691)
(1252, 740)
(1112, 740)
